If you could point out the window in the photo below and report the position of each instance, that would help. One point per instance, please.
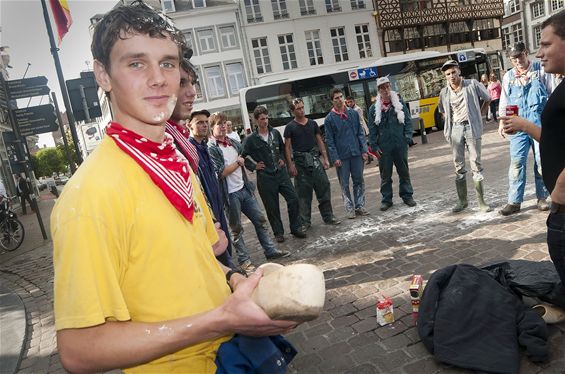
(306, 7)
(228, 38)
(206, 40)
(314, 48)
(215, 82)
(414, 5)
(279, 9)
(485, 29)
(168, 6)
(261, 55)
(288, 54)
(236, 78)
(199, 3)
(459, 32)
(198, 84)
(538, 9)
(357, 4)
(412, 38)
(332, 6)
(556, 5)
(339, 45)
(253, 11)
(434, 36)
(189, 40)
(514, 6)
(512, 34)
(536, 32)
(393, 41)
(363, 41)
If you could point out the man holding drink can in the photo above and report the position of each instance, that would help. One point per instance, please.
(551, 136)
(525, 89)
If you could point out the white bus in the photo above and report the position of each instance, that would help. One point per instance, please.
(416, 76)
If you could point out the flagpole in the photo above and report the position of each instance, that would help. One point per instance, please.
(61, 78)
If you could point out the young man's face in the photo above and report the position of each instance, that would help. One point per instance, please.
(551, 51)
(337, 101)
(199, 126)
(219, 129)
(228, 126)
(384, 91)
(298, 110)
(262, 121)
(452, 75)
(186, 96)
(143, 80)
(350, 103)
(521, 61)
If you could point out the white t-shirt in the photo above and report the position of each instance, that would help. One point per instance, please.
(233, 136)
(235, 179)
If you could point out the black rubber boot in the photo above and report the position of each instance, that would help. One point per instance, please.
(461, 186)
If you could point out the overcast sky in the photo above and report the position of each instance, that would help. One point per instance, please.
(24, 31)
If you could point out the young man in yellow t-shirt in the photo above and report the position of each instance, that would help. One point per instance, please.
(136, 282)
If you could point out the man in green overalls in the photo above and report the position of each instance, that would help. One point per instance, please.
(263, 152)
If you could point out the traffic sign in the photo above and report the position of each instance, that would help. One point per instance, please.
(35, 114)
(28, 87)
(39, 128)
(90, 90)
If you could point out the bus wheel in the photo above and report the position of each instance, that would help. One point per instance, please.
(438, 118)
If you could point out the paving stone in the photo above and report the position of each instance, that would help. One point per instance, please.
(364, 369)
(365, 325)
(424, 365)
(393, 361)
(344, 321)
(396, 342)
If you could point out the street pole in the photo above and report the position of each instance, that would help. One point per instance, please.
(62, 129)
(21, 156)
(61, 78)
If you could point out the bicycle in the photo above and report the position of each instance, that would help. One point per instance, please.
(12, 231)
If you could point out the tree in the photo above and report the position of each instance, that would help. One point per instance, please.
(48, 161)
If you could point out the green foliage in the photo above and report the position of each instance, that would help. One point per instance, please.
(47, 161)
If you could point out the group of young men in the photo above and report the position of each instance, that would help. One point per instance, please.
(142, 252)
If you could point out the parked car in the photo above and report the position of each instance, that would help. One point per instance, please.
(41, 184)
(62, 180)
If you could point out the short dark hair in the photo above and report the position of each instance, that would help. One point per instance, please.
(349, 98)
(293, 103)
(260, 110)
(138, 18)
(557, 21)
(333, 91)
(197, 113)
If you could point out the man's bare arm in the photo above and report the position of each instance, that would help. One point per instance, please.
(322, 147)
(558, 193)
(510, 125)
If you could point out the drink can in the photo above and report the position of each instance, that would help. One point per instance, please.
(511, 110)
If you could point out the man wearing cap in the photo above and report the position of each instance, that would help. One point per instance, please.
(390, 133)
(462, 113)
(526, 86)
(199, 128)
(347, 146)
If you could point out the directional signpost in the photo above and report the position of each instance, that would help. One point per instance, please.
(23, 88)
(36, 120)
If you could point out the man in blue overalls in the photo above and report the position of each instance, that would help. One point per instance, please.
(528, 87)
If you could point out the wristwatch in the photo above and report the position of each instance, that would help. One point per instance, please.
(232, 272)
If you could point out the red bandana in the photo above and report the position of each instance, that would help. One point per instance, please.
(224, 142)
(385, 105)
(161, 161)
(180, 135)
(342, 115)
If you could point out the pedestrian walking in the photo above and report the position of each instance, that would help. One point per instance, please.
(527, 87)
(347, 145)
(551, 136)
(137, 286)
(350, 102)
(303, 147)
(24, 192)
(494, 88)
(390, 133)
(238, 192)
(462, 113)
(263, 151)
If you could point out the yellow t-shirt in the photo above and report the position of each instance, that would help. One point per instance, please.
(123, 252)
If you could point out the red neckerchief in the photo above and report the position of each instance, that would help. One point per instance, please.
(180, 134)
(224, 142)
(169, 171)
(385, 105)
(342, 115)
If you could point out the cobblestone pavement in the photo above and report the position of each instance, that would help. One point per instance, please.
(361, 258)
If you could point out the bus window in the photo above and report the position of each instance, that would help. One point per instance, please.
(317, 100)
(406, 85)
(432, 81)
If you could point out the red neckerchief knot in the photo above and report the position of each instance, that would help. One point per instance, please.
(342, 115)
(180, 134)
(385, 105)
(166, 168)
(224, 142)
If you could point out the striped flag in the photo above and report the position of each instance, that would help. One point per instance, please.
(62, 16)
